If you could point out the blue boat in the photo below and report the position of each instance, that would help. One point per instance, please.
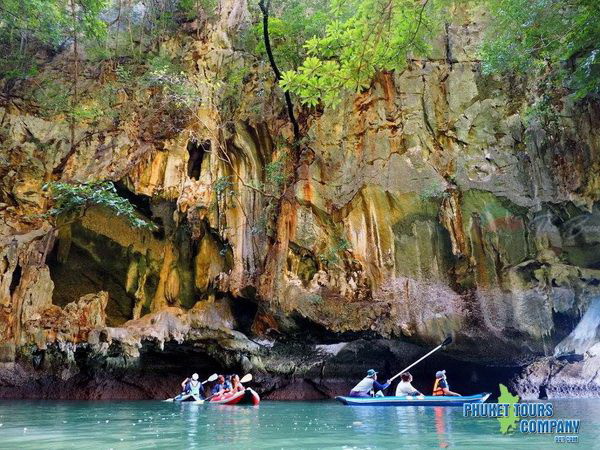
(418, 400)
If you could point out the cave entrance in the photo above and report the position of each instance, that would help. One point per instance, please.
(391, 356)
(94, 263)
(16, 279)
(244, 311)
(180, 360)
(196, 150)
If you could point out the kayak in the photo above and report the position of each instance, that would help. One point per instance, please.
(185, 398)
(245, 397)
(418, 400)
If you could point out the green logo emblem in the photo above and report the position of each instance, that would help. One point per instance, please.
(509, 423)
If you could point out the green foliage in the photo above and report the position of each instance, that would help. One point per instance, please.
(554, 38)
(27, 25)
(541, 111)
(361, 38)
(231, 89)
(71, 201)
(24, 23)
(52, 98)
(176, 86)
(192, 9)
(224, 186)
(291, 24)
(276, 175)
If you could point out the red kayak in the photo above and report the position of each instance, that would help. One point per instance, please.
(245, 397)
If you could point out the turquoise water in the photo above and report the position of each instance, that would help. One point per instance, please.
(119, 425)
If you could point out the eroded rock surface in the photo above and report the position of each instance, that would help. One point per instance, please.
(426, 206)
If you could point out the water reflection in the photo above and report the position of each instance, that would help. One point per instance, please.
(125, 425)
(440, 426)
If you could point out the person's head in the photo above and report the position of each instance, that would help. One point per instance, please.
(406, 376)
(440, 374)
(220, 379)
(372, 374)
(195, 377)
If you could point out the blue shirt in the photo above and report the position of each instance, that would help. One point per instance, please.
(379, 387)
(220, 387)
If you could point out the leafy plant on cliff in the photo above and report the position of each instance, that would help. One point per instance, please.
(557, 39)
(71, 201)
(28, 28)
(361, 38)
(291, 24)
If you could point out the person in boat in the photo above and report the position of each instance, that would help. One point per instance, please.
(368, 384)
(441, 387)
(236, 386)
(405, 387)
(222, 385)
(192, 387)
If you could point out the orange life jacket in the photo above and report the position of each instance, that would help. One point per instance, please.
(436, 389)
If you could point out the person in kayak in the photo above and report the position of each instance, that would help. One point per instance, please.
(221, 386)
(405, 387)
(192, 387)
(441, 387)
(236, 386)
(368, 384)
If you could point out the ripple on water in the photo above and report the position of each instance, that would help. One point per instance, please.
(32, 425)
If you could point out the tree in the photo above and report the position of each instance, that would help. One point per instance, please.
(557, 39)
(28, 26)
(71, 202)
(362, 37)
(25, 25)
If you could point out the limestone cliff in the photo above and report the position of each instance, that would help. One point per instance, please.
(426, 205)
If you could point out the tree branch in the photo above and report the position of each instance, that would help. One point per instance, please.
(264, 7)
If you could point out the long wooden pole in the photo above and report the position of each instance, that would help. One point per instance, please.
(447, 341)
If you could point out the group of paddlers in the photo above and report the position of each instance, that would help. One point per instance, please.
(369, 386)
(222, 385)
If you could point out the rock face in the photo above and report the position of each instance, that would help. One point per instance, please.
(426, 205)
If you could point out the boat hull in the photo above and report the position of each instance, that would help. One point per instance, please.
(245, 397)
(420, 400)
(186, 398)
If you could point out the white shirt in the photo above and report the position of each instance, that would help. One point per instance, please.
(364, 385)
(405, 388)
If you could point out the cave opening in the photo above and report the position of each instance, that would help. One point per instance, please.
(144, 205)
(244, 311)
(564, 324)
(196, 150)
(141, 202)
(16, 279)
(179, 359)
(389, 357)
(94, 263)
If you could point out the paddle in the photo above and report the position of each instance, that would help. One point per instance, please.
(446, 342)
(245, 379)
(213, 377)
